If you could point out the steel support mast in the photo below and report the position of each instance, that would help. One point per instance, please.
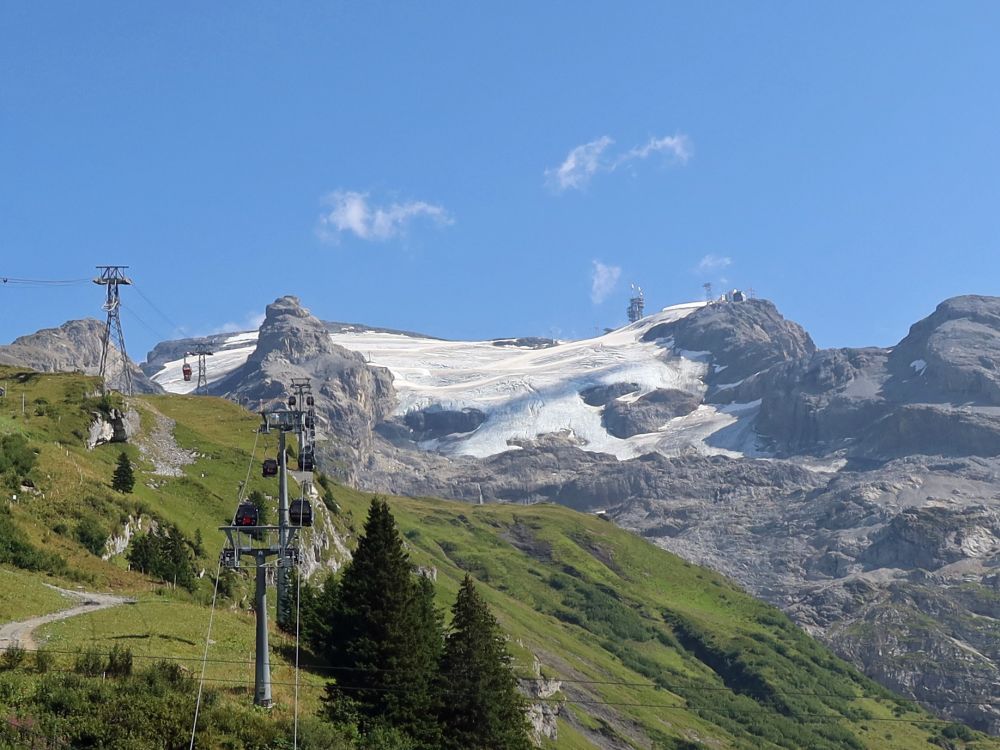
(113, 277)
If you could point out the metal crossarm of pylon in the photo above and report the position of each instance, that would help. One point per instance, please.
(111, 278)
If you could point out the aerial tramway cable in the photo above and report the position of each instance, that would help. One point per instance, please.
(211, 614)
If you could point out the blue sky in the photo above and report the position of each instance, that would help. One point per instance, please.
(478, 170)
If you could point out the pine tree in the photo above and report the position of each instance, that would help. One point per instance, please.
(481, 708)
(124, 478)
(383, 638)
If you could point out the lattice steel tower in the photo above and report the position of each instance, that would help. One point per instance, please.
(113, 277)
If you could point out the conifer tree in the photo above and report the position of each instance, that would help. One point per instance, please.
(481, 708)
(383, 638)
(124, 478)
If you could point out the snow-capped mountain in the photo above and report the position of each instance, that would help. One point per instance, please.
(525, 390)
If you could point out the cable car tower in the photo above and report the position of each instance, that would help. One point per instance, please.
(636, 304)
(202, 382)
(113, 277)
(247, 538)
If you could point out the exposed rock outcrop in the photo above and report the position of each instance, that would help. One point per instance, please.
(743, 338)
(74, 346)
(351, 395)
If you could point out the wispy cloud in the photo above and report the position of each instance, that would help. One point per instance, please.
(679, 146)
(352, 212)
(251, 322)
(711, 263)
(602, 281)
(580, 165)
(583, 162)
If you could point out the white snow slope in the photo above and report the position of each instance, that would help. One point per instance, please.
(531, 392)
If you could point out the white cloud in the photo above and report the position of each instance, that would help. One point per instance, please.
(583, 162)
(678, 145)
(580, 165)
(602, 281)
(712, 262)
(351, 211)
(251, 322)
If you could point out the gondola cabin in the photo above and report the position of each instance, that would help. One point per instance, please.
(186, 372)
(306, 461)
(291, 400)
(310, 422)
(310, 401)
(270, 467)
(246, 515)
(300, 513)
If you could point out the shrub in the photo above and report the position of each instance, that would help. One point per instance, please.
(91, 535)
(12, 657)
(43, 661)
(89, 663)
(120, 661)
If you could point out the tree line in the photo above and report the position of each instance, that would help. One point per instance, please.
(400, 676)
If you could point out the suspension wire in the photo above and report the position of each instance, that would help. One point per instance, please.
(12, 281)
(298, 615)
(204, 662)
(211, 615)
(155, 331)
(160, 312)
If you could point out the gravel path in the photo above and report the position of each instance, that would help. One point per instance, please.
(20, 633)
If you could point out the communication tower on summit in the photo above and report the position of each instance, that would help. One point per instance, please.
(636, 304)
(113, 340)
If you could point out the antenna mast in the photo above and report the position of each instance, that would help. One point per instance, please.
(636, 304)
(113, 277)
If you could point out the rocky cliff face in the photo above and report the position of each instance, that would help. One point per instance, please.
(75, 345)
(351, 396)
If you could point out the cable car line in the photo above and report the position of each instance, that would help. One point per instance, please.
(14, 281)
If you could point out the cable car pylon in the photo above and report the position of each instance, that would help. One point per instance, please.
(202, 382)
(112, 277)
(246, 537)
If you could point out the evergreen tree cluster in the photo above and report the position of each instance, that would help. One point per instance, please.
(164, 553)
(396, 670)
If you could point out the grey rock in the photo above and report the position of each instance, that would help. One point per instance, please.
(649, 412)
(601, 395)
(74, 346)
(743, 338)
(351, 395)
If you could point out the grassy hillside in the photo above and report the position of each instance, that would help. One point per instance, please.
(648, 651)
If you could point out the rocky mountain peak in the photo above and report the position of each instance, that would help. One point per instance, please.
(953, 354)
(75, 345)
(743, 337)
(290, 332)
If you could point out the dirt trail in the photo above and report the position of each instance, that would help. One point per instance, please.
(20, 633)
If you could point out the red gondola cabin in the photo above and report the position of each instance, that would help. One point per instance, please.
(246, 515)
(186, 372)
